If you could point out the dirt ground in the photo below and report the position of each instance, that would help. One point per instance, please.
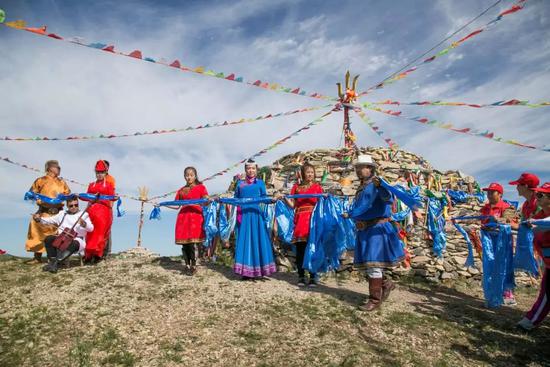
(146, 312)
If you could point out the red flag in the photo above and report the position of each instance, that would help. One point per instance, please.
(53, 35)
(257, 82)
(175, 64)
(429, 59)
(296, 91)
(513, 9)
(461, 130)
(41, 30)
(136, 54)
(110, 48)
(230, 77)
(470, 35)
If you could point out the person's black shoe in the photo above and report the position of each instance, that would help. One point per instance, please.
(313, 283)
(51, 266)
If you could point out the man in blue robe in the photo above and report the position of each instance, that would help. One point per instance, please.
(378, 245)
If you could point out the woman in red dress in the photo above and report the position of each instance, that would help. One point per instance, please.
(100, 213)
(303, 207)
(189, 224)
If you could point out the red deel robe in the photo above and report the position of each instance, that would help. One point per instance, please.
(101, 216)
(189, 225)
(303, 209)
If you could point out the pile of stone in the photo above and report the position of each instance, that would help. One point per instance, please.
(335, 171)
(137, 252)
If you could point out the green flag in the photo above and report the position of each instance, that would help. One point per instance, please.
(325, 175)
(2, 16)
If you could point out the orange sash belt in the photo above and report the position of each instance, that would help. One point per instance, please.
(305, 208)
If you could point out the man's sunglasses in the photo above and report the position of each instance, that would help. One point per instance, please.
(540, 195)
(72, 206)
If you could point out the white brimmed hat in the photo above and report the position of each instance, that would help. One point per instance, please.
(364, 160)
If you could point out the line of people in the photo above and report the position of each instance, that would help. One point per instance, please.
(93, 228)
(536, 206)
(378, 243)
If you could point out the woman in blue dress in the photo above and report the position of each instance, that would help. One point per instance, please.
(253, 249)
(378, 245)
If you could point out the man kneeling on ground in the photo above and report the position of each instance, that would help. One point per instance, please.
(66, 219)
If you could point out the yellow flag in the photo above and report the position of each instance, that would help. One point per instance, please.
(17, 24)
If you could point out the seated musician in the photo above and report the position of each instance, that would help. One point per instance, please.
(63, 220)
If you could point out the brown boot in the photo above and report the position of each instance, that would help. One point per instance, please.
(37, 259)
(375, 295)
(387, 287)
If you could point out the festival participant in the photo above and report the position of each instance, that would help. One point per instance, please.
(100, 213)
(496, 208)
(525, 185)
(377, 245)
(253, 249)
(540, 309)
(303, 208)
(62, 220)
(49, 185)
(111, 180)
(189, 224)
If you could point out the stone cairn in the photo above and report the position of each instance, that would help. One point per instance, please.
(335, 170)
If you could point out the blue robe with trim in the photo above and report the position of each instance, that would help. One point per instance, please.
(253, 249)
(377, 246)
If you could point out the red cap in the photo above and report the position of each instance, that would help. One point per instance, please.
(494, 187)
(100, 166)
(528, 179)
(544, 188)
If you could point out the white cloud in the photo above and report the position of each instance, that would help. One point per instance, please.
(54, 88)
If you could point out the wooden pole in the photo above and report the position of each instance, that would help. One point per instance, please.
(140, 224)
(143, 192)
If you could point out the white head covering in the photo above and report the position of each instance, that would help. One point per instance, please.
(365, 160)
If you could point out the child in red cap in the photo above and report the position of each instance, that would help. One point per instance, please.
(525, 185)
(540, 309)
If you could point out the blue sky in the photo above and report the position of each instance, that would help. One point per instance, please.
(55, 88)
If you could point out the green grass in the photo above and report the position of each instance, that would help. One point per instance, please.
(20, 336)
(119, 358)
(80, 354)
(105, 347)
(172, 350)
(250, 336)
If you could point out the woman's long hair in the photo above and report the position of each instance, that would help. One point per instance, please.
(197, 181)
(303, 169)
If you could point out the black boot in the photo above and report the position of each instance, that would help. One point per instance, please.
(64, 255)
(193, 267)
(51, 266)
(186, 260)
